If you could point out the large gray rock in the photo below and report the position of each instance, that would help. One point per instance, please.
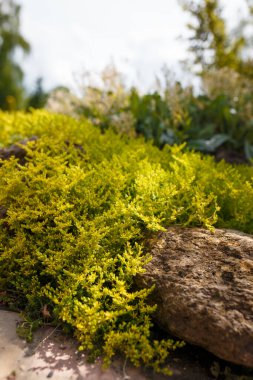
(204, 289)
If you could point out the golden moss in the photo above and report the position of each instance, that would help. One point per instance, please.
(73, 235)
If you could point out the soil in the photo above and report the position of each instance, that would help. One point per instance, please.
(230, 156)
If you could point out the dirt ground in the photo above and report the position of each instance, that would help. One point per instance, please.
(54, 355)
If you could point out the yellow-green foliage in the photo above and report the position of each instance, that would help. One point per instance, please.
(73, 235)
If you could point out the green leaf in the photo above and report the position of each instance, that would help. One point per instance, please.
(168, 137)
(248, 149)
(209, 145)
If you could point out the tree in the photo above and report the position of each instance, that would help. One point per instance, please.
(38, 97)
(11, 74)
(213, 47)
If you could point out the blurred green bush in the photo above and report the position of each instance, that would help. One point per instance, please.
(220, 117)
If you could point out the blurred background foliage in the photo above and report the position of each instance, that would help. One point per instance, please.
(13, 94)
(217, 120)
(11, 74)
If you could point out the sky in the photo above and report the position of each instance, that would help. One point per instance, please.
(69, 37)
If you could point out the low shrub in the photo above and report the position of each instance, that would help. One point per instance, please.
(217, 121)
(78, 213)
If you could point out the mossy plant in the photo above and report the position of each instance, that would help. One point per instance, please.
(78, 213)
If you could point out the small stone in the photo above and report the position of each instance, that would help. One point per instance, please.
(50, 374)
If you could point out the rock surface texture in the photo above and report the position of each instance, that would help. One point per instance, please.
(204, 289)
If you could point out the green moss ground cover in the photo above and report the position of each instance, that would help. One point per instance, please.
(77, 218)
